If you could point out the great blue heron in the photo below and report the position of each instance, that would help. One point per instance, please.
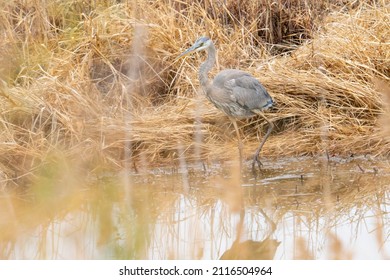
(236, 93)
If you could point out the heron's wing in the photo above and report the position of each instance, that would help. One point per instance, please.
(247, 91)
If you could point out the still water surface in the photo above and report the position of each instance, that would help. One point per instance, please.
(297, 208)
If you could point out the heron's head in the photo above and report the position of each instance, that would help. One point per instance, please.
(201, 44)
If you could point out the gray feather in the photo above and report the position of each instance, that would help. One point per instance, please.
(243, 89)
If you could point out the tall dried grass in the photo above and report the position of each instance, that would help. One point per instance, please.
(99, 82)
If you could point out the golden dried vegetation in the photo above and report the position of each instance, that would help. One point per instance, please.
(97, 84)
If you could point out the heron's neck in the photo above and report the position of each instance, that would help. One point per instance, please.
(206, 66)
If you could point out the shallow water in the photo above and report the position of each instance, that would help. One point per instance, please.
(296, 208)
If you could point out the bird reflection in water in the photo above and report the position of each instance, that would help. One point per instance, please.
(252, 250)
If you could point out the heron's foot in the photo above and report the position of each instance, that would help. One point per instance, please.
(256, 161)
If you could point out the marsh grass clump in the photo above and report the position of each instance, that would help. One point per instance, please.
(99, 84)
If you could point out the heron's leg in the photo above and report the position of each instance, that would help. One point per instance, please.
(256, 157)
(240, 146)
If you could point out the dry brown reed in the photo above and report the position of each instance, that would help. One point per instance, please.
(73, 80)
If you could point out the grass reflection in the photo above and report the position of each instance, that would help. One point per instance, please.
(298, 209)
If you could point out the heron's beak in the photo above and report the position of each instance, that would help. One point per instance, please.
(188, 51)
